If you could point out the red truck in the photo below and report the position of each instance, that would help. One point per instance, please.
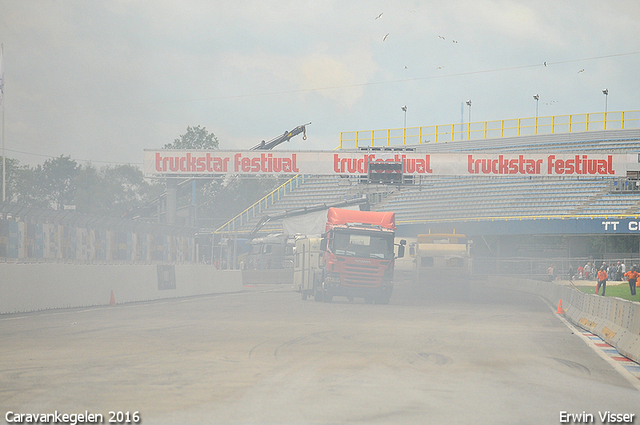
(357, 256)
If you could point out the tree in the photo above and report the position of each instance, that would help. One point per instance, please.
(92, 195)
(194, 138)
(129, 188)
(51, 184)
(12, 179)
(112, 191)
(59, 175)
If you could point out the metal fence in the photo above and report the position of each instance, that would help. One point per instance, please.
(30, 234)
(537, 268)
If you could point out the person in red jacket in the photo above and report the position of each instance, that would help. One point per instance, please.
(602, 280)
(632, 276)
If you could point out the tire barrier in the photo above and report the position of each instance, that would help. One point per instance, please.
(615, 320)
(32, 287)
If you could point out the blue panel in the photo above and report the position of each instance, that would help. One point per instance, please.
(582, 226)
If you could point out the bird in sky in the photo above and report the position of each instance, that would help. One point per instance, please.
(385, 37)
(441, 37)
(582, 70)
(440, 67)
(545, 64)
(378, 17)
(455, 41)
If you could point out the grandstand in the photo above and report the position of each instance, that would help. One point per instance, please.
(432, 200)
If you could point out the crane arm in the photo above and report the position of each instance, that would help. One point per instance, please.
(301, 211)
(286, 136)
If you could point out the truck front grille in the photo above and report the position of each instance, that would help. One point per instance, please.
(362, 275)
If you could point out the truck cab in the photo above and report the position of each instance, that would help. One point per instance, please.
(357, 256)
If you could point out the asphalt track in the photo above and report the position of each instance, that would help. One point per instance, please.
(264, 356)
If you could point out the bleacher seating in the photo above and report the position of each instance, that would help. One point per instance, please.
(491, 197)
(439, 198)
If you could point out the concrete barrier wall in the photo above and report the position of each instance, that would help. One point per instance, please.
(30, 287)
(254, 277)
(615, 320)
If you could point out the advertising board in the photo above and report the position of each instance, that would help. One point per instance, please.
(160, 163)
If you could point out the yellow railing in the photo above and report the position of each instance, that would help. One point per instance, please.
(261, 205)
(490, 129)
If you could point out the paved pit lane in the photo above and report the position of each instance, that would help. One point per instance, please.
(264, 356)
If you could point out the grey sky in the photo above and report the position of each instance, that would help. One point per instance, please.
(103, 80)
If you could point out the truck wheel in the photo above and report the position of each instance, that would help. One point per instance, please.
(326, 297)
(317, 294)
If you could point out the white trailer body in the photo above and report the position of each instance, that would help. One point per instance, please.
(307, 260)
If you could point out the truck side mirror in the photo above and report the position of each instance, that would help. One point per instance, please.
(323, 244)
(400, 250)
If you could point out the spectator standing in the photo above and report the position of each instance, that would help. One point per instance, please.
(632, 276)
(602, 280)
(611, 271)
(551, 273)
(621, 270)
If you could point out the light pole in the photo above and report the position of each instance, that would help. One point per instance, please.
(404, 129)
(469, 125)
(605, 92)
(537, 98)
(461, 119)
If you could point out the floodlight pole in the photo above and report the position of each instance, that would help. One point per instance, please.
(404, 129)
(4, 163)
(469, 126)
(4, 156)
(605, 92)
(537, 98)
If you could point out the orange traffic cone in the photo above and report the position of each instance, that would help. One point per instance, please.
(560, 310)
(113, 299)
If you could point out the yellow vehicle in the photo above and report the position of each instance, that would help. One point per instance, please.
(442, 258)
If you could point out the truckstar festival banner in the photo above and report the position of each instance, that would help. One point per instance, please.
(159, 163)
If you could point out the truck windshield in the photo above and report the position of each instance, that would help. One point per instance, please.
(363, 245)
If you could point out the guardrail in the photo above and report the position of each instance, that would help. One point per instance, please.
(618, 120)
(256, 209)
(615, 320)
